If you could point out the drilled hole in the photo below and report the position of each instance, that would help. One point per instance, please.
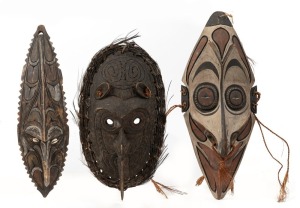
(109, 122)
(137, 121)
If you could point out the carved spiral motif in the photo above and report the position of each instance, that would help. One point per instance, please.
(133, 71)
(112, 71)
(123, 71)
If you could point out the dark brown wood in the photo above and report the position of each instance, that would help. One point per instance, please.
(43, 133)
(122, 115)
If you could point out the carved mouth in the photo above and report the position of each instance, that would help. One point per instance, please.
(219, 171)
(43, 175)
(220, 165)
(45, 185)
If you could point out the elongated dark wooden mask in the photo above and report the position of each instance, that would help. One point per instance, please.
(219, 102)
(122, 115)
(43, 133)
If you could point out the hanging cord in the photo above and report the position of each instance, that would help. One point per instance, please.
(283, 192)
(172, 108)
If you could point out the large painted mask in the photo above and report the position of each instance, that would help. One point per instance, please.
(43, 133)
(219, 102)
(122, 115)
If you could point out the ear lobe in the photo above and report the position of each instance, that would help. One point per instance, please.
(254, 98)
(102, 91)
(142, 90)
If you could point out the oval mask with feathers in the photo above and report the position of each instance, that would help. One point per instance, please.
(122, 115)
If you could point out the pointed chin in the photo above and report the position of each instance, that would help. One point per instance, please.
(219, 171)
(45, 179)
(44, 173)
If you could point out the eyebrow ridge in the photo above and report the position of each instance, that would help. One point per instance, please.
(234, 62)
(207, 65)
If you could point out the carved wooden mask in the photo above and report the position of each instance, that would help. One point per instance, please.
(42, 130)
(122, 115)
(218, 102)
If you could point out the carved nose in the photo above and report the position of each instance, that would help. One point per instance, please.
(223, 148)
(121, 147)
(221, 140)
(121, 143)
(45, 163)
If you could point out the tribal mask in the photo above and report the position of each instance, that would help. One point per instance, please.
(42, 130)
(122, 115)
(219, 102)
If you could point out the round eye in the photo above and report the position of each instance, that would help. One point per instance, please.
(235, 97)
(109, 122)
(35, 140)
(206, 97)
(136, 121)
(54, 141)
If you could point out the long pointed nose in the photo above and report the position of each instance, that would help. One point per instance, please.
(45, 163)
(121, 174)
(120, 145)
(218, 134)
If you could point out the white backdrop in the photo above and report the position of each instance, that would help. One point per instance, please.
(169, 30)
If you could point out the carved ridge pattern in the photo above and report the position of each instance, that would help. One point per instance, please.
(195, 55)
(240, 49)
(43, 133)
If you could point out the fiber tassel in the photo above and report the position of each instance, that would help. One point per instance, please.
(282, 193)
(199, 181)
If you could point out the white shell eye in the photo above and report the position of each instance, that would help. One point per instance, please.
(137, 121)
(54, 141)
(35, 140)
(109, 122)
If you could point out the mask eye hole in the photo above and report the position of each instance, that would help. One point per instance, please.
(136, 121)
(109, 122)
(235, 97)
(206, 97)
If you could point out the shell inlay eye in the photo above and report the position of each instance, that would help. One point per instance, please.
(35, 140)
(54, 141)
